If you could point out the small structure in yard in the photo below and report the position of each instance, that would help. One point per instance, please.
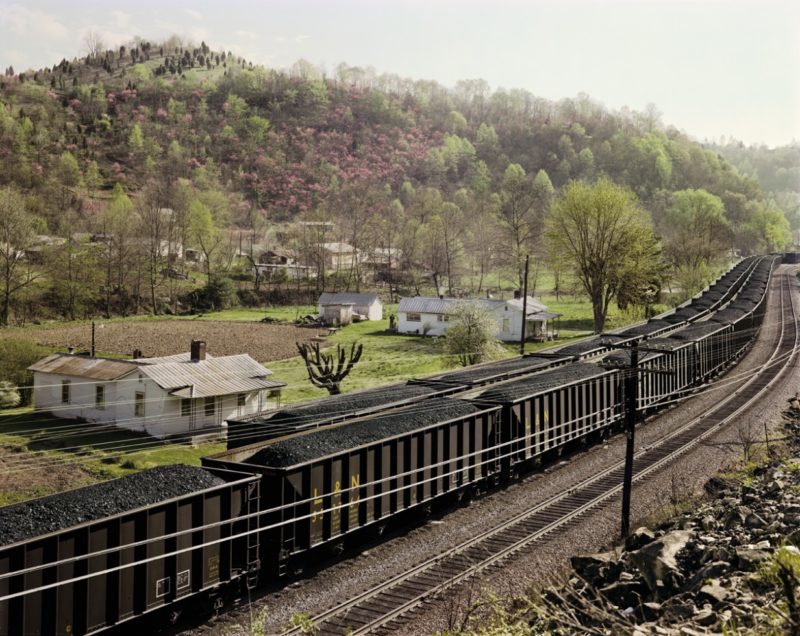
(189, 393)
(361, 307)
(430, 316)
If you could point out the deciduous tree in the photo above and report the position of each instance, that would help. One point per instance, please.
(607, 236)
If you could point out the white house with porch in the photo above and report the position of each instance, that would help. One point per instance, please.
(431, 316)
(185, 394)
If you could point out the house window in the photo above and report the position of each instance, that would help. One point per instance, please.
(100, 396)
(138, 404)
(186, 407)
(65, 391)
(210, 405)
(506, 325)
(241, 400)
(413, 318)
(443, 318)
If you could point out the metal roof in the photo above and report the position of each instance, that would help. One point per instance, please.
(83, 366)
(225, 375)
(186, 356)
(218, 376)
(345, 298)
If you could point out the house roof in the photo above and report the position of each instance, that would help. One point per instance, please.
(345, 298)
(216, 376)
(176, 374)
(186, 356)
(83, 366)
(433, 305)
(339, 248)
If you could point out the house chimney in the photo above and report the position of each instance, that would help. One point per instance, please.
(137, 353)
(441, 296)
(517, 294)
(70, 350)
(198, 351)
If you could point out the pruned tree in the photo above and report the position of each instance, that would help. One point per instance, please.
(323, 370)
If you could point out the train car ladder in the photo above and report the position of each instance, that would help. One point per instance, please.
(253, 507)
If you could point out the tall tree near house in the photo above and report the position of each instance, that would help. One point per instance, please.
(17, 234)
(323, 371)
(606, 236)
(518, 216)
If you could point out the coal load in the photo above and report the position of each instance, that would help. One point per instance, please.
(57, 512)
(340, 406)
(646, 329)
(683, 314)
(729, 314)
(520, 389)
(336, 439)
(588, 346)
(479, 373)
(697, 331)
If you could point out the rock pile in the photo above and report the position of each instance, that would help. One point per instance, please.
(712, 570)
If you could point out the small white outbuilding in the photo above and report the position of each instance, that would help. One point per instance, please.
(366, 305)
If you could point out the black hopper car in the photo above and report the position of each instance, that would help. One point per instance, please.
(169, 538)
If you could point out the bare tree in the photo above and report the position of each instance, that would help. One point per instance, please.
(323, 371)
(93, 44)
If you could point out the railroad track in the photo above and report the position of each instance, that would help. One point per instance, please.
(383, 605)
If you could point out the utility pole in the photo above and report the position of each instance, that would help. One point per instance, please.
(630, 376)
(524, 306)
(631, 415)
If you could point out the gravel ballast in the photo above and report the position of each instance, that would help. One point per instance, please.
(57, 512)
(340, 438)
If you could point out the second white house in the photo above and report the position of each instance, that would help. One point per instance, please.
(431, 316)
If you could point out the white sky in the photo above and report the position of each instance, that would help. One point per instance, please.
(712, 67)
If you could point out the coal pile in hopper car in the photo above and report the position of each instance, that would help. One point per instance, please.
(481, 372)
(647, 328)
(333, 407)
(56, 512)
(512, 391)
(327, 441)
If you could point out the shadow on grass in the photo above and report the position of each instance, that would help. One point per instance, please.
(43, 432)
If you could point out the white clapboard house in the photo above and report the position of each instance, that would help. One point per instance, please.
(185, 394)
(432, 316)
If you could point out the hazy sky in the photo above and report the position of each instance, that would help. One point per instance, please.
(712, 67)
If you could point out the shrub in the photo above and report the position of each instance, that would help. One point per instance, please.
(15, 358)
(9, 395)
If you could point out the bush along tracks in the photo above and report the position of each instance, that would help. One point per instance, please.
(729, 566)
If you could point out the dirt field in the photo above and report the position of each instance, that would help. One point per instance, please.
(264, 342)
(19, 480)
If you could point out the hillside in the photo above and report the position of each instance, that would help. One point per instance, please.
(446, 175)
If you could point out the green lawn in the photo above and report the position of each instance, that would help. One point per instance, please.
(105, 453)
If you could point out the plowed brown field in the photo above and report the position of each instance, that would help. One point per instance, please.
(264, 342)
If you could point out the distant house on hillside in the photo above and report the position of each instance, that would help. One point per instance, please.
(432, 316)
(189, 393)
(340, 255)
(333, 307)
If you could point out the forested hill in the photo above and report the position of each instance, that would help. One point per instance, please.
(260, 144)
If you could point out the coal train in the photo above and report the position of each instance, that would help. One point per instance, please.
(317, 477)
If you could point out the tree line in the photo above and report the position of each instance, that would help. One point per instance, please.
(462, 182)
